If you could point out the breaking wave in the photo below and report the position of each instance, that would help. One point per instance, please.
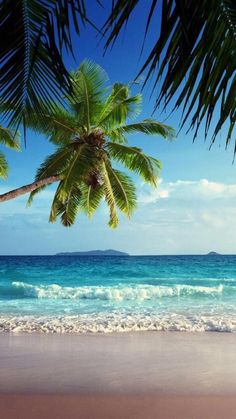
(115, 293)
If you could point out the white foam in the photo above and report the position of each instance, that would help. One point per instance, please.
(116, 293)
(118, 322)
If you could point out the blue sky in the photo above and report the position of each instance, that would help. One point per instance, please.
(192, 210)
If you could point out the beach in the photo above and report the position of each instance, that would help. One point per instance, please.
(118, 337)
(129, 375)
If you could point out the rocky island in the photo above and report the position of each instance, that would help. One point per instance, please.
(109, 252)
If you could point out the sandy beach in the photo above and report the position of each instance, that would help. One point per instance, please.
(129, 375)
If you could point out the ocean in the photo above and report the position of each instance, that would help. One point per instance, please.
(80, 294)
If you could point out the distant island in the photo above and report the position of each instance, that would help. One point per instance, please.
(213, 254)
(109, 252)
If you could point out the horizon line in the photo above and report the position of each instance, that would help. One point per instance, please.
(128, 255)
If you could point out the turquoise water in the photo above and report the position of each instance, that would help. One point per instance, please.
(105, 294)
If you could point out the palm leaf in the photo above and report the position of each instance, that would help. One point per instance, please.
(56, 203)
(123, 190)
(135, 160)
(88, 92)
(147, 126)
(59, 126)
(68, 209)
(119, 106)
(3, 166)
(33, 34)
(193, 59)
(35, 192)
(90, 198)
(80, 165)
(56, 163)
(116, 135)
(110, 198)
(9, 138)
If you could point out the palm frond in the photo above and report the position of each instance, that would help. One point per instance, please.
(120, 13)
(147, 126)
(3, 166)
(68, 209)
(9, 138)
(123, 190)
(193, 59)
(116, 135)
(119, 106)
(56, 163)
(81, 164)
(33, 35)
(90, 198)
(135, 160)
(56, 203)
(110, 199)
(89, 87)
(59, 126)
(34, 193)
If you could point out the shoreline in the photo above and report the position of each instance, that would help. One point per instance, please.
(117, 322)
(104, 334)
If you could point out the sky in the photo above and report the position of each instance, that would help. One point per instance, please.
(193, 209)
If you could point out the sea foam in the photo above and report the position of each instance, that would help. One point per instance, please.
(118, 322)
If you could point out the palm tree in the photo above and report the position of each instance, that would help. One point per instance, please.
(192, 60)
(9, 139)
(90, 136)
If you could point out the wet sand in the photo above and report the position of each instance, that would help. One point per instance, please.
(139, 375)
(117, 407)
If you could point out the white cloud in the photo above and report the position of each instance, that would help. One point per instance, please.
(204, 187)
(149, 195)
(187, 190)
(196, 216)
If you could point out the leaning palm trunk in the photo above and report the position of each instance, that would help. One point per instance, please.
(31, 187)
